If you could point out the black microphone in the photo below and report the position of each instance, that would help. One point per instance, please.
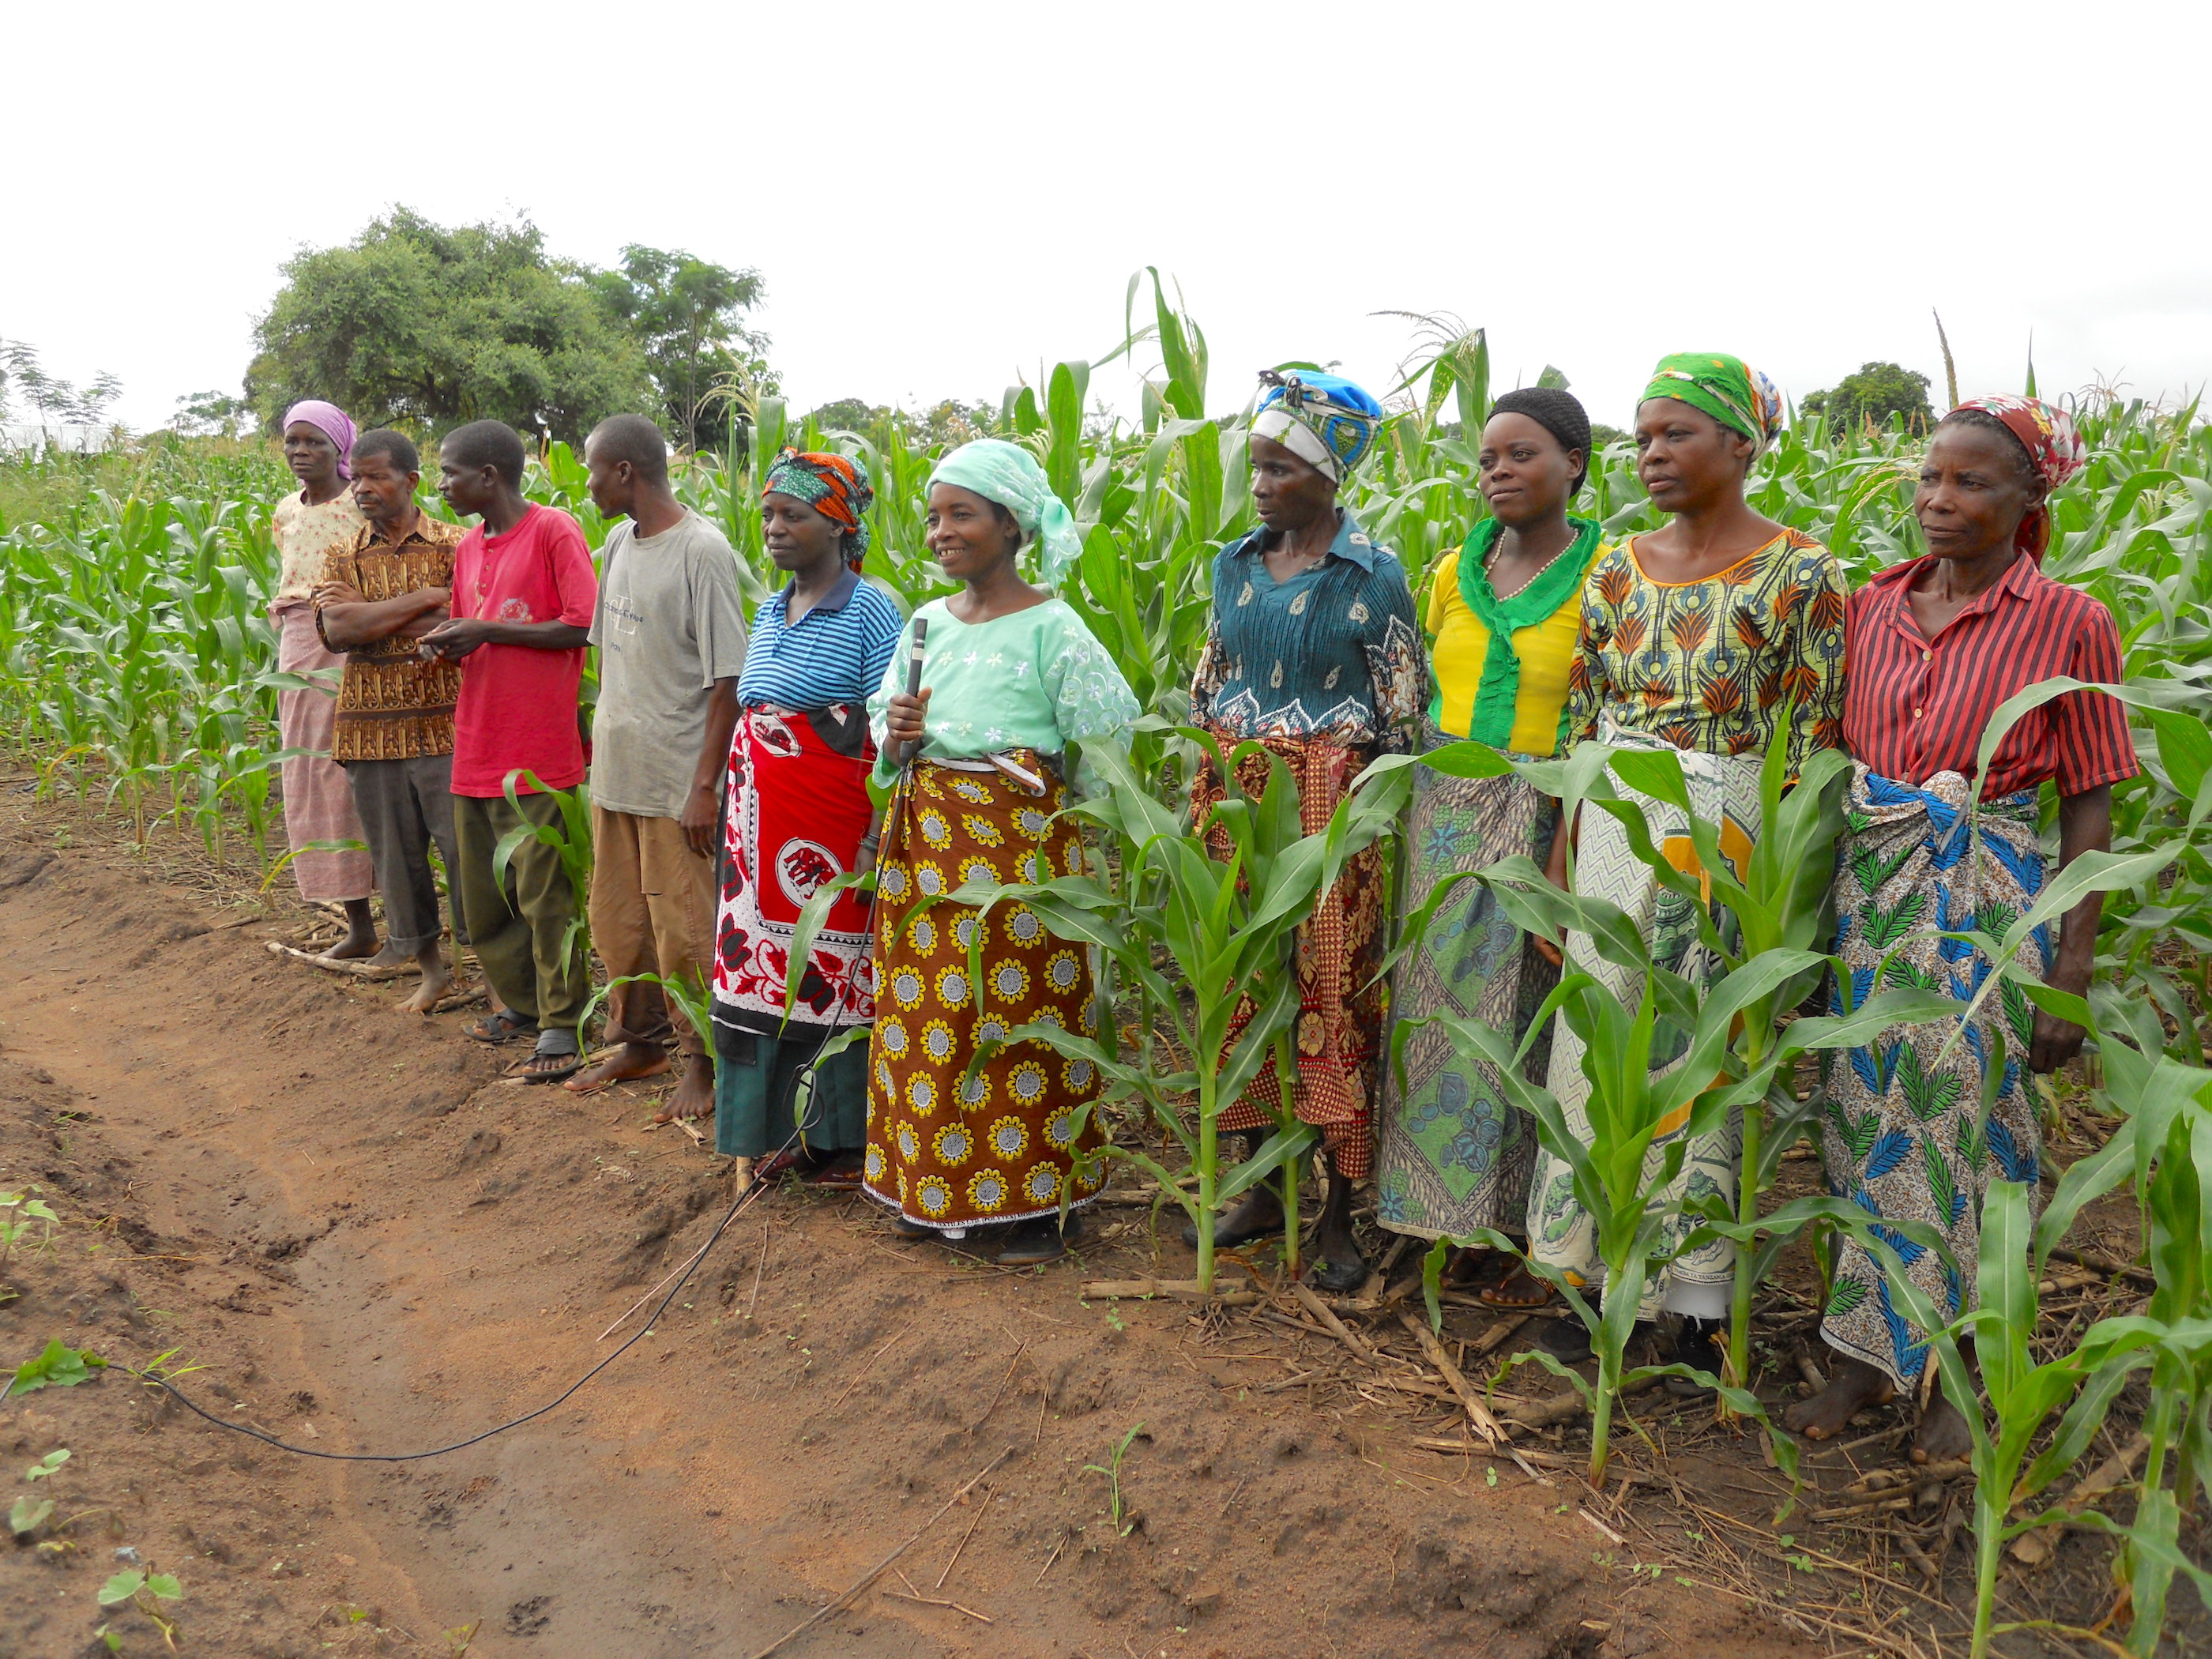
(908, 750)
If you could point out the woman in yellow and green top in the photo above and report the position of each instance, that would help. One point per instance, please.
(1503, 617)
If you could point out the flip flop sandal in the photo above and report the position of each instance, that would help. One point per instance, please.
(1472, 1269)
(501, 1028)
(564, 1067)
(778, 1164)
(836, 1178)
(1518, 1291)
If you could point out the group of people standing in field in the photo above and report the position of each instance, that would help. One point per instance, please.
(731, 785)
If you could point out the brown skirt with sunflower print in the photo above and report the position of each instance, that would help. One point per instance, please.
(947, 1149)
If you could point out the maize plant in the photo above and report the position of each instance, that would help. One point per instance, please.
(136, 661)
(1202, 947)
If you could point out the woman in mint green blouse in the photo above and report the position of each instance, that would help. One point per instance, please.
(1010, 679)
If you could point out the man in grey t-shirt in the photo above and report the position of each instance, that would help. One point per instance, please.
(672, 639)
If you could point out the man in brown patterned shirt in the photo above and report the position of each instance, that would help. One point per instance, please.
(395, 715)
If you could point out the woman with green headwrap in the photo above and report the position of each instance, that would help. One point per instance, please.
(1011, 679)
(1702, 636)
(1312, 651)
(1504, 616)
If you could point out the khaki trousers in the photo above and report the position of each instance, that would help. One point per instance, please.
(653, 912)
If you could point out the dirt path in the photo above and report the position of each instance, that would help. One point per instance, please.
(371, 1243)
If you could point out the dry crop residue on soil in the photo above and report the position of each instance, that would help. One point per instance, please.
(371, 1243)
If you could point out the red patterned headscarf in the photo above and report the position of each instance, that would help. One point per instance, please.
(833, 487)
(2054, 447)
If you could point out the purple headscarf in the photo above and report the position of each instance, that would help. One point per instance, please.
(331, 422)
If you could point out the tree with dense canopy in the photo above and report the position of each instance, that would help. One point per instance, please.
(1870, 396)
(414, 323)
(687, 314)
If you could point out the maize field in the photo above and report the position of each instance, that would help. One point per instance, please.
(138, 667)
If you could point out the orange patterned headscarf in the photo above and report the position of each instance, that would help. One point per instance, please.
(833, 487)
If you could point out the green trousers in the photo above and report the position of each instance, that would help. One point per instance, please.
(533, 965)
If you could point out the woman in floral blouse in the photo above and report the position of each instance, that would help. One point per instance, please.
(1703, 636)
(1313, 651)
(1011, 679)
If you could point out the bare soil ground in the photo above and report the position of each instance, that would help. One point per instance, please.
(369, 1242)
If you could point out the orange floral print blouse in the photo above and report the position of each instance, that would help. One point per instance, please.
(1711, 664)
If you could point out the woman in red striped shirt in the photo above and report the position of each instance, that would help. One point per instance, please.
(1934, 646)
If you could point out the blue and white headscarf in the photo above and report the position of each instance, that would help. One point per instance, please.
(1324, 420)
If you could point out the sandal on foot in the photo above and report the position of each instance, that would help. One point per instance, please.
(839, 1175)
(1518, 1291)
(503, 1027)
(556, 1058)
(778, 1164)
(1473, 1267)
(906, 1228)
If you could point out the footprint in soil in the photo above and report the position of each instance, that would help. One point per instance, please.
(529, 1618)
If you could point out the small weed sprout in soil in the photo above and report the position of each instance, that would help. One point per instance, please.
(29, 1511)
(1112, 1470)
(145, 1589)
(55, 1367)
(20, 1212)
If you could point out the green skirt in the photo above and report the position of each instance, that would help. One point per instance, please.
(1456, 1154)
(759, 1095)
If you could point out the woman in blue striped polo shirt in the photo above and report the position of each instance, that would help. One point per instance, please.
(796, 816)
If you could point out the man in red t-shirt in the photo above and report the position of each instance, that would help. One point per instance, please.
(524, 593)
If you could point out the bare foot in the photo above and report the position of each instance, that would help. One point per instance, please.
(1853, 1385)
(360, 939)
(694, 1096)
(627, 1062)
(437, 980)
(1943, 1434)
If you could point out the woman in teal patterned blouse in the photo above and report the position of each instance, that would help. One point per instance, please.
(1313, 650)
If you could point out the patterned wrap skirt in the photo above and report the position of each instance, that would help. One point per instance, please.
(946, 1148)
(318, 802)
(1340, 956)
(1724, 790)
(795, 808)
(1902, 1135)
(1456, 1154)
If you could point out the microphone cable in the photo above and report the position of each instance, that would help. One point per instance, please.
(752, 1189)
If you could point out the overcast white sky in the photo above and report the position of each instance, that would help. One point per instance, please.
(943, 196)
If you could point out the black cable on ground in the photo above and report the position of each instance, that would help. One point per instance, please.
(699, 1257)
